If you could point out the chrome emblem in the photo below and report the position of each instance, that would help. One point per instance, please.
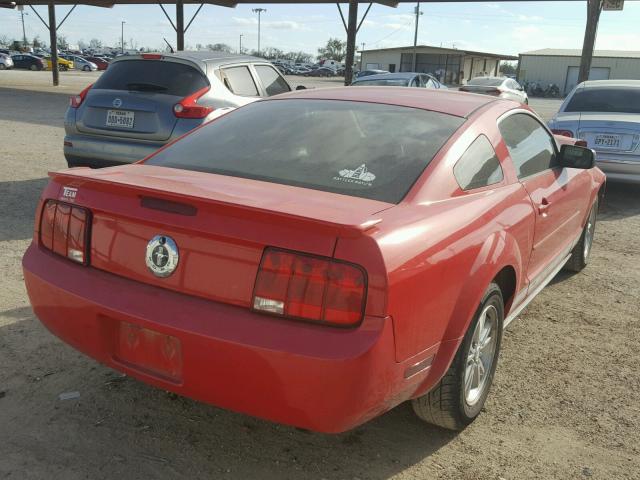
(162, 256)
(117, 103)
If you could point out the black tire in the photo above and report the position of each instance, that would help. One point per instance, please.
(447, 405)
(582, 251)
(86, 68)
(2, 66)
(33, 68)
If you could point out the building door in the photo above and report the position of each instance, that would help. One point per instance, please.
(596, 73)
(392, 68)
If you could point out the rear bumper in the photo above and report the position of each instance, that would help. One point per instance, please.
(619, 169)
(96, 151)
(319, 378)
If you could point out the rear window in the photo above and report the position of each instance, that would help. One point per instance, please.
(486, 82)
(615, 100)
(167, 77)
(391, 82)
(353, 148)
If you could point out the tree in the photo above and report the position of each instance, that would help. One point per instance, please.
(508, 68)
(82, 45)
(36, 42)
(95, 44)
(272, 53)
(4, 40)
(63, 44)
(220, 47)
(335, 49)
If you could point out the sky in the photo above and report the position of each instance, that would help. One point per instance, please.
(500, 27)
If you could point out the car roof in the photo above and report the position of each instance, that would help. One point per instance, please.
(451, 102)
(610, 83)
(215, 57)
(389, 76)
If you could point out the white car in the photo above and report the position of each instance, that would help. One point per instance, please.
(5, 62)
(503, 87)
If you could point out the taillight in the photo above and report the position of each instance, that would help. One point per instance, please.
(64, 229)
(151, 56)
(315, 289)
(188, 107)
(494, 91)
(76, 100)
(564, 133)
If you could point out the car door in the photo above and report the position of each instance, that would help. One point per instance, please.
(239, 81)
(271, 81)
(557, 194)
(18, 61)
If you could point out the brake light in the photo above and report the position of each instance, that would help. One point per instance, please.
(581, 143)
(564, 133)
(151, 56)
(76, 100)
(64, 229)
(494, 91)
(316, 289)
(188, 107)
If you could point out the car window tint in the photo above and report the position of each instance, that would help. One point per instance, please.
(360, 149)
(529, 144)
(240, 81)
(170, 78)
(479, 166)
(392, 82)
(273, 83)
(615, 100)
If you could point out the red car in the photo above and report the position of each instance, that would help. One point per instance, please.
(101, 63)
(318, 257)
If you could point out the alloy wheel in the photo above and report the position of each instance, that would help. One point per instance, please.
(480, 358)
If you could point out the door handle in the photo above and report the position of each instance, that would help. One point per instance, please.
(543, 207)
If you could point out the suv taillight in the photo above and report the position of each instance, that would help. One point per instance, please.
(76, 100)
(64, 229)
(314, 289)
(188, 107)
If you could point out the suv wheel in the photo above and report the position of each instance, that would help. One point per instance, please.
(460, 395)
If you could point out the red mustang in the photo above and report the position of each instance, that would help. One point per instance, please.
(319, 257)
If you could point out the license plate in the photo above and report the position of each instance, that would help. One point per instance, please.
(120, 118)
(607, 141)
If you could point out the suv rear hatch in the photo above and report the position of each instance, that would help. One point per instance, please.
(134, 98)
(221, 224)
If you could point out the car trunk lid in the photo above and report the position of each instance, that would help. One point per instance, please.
(221, 224)
(610, 132)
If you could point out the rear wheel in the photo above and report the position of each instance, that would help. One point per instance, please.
(459, 397)
(86, 68)
(2, 66)
(33, 68)
(581, 252)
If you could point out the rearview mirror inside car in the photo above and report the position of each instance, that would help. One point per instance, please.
(573, 156)
(301, 87)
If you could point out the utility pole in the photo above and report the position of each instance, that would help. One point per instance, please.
(352, 27)
(259, 11)
(53, 38)
(240, 51)
(24, 33)
(122, 36)
(361, 56)
(594, 7)
(415, 39)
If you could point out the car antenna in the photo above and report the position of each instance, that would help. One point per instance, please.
(169, 45)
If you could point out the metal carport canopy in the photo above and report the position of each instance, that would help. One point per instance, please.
(351, 26)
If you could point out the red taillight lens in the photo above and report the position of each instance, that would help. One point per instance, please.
(494, 91)
(151, 56)
(188, 107)
(76, 100)
(564, 133)
(310, 288)
(64, 230)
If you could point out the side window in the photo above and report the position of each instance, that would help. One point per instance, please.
(240, 81)
(415, 82)
(530, 146)
(430, 83)
(478, 166)
(273, 82)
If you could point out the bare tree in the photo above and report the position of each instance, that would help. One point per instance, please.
(220, 47)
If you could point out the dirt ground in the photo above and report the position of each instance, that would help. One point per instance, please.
(564, 404)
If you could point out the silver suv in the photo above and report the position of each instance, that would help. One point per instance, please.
(141, 102)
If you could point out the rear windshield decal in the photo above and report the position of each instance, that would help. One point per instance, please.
(360, 176)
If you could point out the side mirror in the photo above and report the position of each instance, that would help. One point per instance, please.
(573, 156)
(301, 87)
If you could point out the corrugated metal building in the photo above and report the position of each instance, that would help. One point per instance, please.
(561, 66)
(449, 65)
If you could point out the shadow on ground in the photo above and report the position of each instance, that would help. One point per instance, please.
(18, 201)
(621, 200)
(20, 105)
(119, 427)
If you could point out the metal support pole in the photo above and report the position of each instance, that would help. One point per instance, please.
(240, 51)
(53, 39)
(24, 33)
(415, 40)
(259, 11)
(351, 41)
(180, 25)
(594, 7)
(122, 36)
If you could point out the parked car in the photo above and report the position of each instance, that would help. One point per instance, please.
(26, 61)
(318, 258)
(502, 87)
(63, 63)
(404, 79)
(101, 63)
(80, 63)
(365, 73)
(6, 62)
(142, 102)
(605, 114)
(321, 72)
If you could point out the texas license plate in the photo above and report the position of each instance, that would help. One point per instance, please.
(120, 118)
(607, 141)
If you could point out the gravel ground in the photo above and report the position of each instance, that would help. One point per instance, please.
(564, 404)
